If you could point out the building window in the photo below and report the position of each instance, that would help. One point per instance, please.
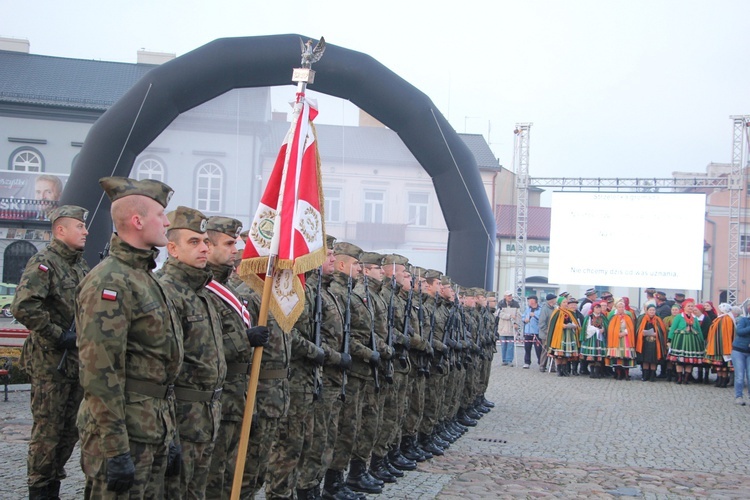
(374, 206)
(418, 203)
(745, 243)
(332, 207)
(210, 178)
(150, 168)
(26, 160)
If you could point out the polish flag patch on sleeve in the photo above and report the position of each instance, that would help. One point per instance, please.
(109, 294)
(43, 268)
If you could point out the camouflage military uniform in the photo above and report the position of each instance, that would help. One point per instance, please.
(238, 355)
(45, 304)
(199, 385)
(272, 400)
(417, 351)
(435, 384)
(130, 350)
(296, 428)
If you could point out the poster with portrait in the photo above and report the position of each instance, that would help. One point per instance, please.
(31, 185)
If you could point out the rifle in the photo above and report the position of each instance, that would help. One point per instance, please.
(317, 321)
(389, 336)
(404, 357)
(347, 333)
(373, 340)
(422, 370)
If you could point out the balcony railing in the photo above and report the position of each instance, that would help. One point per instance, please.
(23, 210)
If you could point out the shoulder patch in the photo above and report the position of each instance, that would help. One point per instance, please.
(109, 294)
(43, 268)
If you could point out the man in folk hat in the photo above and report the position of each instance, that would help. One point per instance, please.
(45, 304)
(130, 350)
(239, 339)
(587, 301)
(199, 385)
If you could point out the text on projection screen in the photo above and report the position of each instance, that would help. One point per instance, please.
(620, 239)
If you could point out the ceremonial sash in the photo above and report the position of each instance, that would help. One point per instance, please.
(231, 299)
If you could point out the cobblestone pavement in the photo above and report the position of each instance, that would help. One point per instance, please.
(549, 437)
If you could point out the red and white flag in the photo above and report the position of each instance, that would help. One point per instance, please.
(289, 220)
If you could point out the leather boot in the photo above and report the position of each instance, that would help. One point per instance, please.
(410, 451)
(358, 480)
(645, 375)
(726, 382)
(487, 403)
(573, 368)
(427, 444)
(440, 442)
(400, 462)
(473, 413)
(334, 487)
(700, 375)
(391, 469)
(460, 428)
(38, 493)
(446, 435)
(379, 471)
(427, 454)
(584, 368)
(481, 408)
(465, 419)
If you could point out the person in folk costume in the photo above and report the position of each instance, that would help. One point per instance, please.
(687, 345)
(675, 309)
(593, 338)
(709, 310)
(719, 344)
(651, 342)
(633, 313)
(621, 341)
(705, 321)
(561, 339)
(575, 365)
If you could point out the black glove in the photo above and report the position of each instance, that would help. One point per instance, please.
(174, 460)
(375, 359)
(346, 361)
(67, 339)
(320, 356)
(120, 473)
(258, 336)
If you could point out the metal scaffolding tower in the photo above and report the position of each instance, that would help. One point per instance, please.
(521, 169)
(736, 183)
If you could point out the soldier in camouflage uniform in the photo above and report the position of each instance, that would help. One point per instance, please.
(419, 350)
(397, 277)
(486, 341)
(463, 399)
(271, 401)
(363, 358)
(45, 304)
(130, 351)
(238, 339)
(199, 385)
(296, 427)
(452, 429)
(372, 408)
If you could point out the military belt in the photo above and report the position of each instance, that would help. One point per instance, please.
(238, 368)
(149, 388)
(273, 374)
(195, 396)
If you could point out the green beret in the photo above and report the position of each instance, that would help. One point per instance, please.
(432, 274)
(371, 258)
(72, 211)
(120, 187)
(345, 248)
(330, 241)
(227, 225)
(187, 218)
(395, 258)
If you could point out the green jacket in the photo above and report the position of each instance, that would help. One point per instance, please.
(128, 330)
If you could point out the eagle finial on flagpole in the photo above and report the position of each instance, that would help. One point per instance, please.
(312, 54)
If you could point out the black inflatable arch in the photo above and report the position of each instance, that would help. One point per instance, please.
(227, 63)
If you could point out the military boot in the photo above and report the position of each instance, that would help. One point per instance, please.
(334, 487)
(465, 419)
(428, 445)
(438, 440)
(390, 468)
(410, 450)
(400, 462)
(379, 471)
(486, 402)
(459, 428)
(358, 480)
(471, 412)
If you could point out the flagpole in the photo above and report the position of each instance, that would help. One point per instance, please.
(303, 76)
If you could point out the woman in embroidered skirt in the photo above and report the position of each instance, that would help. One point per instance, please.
(563, 336)
(687, 347)
(651, 342)
(719, 344)
(593, 339)
(621, 341)
(676, 310)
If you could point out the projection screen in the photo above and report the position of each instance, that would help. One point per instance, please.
(627, 239)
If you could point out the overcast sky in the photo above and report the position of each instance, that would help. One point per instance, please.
(613, 88)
